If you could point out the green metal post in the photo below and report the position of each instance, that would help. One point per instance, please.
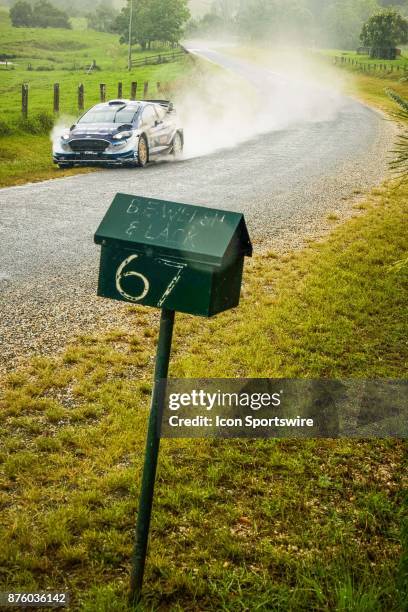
(151, 456)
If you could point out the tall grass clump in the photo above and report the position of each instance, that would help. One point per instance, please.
(38, 124)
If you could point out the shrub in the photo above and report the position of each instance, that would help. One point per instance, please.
(5, 129)
(45, 121)
(37, 124)
(44, 68)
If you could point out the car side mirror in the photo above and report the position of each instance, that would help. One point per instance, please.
(72, 127)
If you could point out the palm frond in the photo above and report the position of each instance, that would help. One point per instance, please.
(400, 162)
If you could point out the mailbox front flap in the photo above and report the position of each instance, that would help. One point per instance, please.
(183, 231)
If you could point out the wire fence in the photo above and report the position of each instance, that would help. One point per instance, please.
(135, 90)
(372, 67)
(160, 58)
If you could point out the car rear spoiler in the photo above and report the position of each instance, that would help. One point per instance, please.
(166, 103)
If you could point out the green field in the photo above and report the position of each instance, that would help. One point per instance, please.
(63, 56)
(59, 56)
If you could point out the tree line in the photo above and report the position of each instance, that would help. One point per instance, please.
(152, 20)
(41, 14)
(325, 23)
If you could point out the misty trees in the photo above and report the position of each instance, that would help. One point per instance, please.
(45, 15)
(335, 23)
(331, 23)
(42, 15)
(21, 14)
(383, 31)
(103, 18)
(153, 20)
(262, 19)
(342, 21)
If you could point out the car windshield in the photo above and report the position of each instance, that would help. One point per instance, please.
(109, 115)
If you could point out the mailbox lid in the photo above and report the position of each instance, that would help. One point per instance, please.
(183, 231)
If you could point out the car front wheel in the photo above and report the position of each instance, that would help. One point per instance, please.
(177, 149)
(65, 166)
(142, 152)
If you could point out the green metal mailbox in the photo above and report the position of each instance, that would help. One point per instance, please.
(173, 256)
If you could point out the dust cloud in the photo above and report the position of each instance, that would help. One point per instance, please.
(224, 107)
(61, 127)
(230, 100)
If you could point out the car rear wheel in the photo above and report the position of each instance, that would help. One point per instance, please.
(65, 166)
(142, 152)
(177, 149)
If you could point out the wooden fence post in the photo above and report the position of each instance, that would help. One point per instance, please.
(102, 92)
(56, 98)
(133, 90)
(24, 100)
(120, 90)
(145, 89)
(81, 97)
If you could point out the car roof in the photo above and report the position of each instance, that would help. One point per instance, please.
(124, 103)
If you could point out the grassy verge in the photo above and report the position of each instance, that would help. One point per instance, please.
(280, 525)
(401, 61)
(26, 158)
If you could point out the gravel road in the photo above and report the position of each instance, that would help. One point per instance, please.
(285, 181)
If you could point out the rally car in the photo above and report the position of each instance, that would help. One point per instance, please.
(121, 132)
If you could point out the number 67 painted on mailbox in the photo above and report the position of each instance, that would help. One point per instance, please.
(121, 275)
(176, 257)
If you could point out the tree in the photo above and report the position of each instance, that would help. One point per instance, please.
(103, 18)
(140, 23)
(160, 20)
(42, 15)
(383, 31)
(167, 19)
(274, 19)
(210, 24)
(343, 20)
(21, 14)
(45, 15)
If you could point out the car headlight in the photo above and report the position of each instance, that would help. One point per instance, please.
(122, 135)
(65, 137)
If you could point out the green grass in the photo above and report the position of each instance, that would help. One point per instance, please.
(371, 87)
(26, 158)
(401, 61)
(282, 525)
(62, 56)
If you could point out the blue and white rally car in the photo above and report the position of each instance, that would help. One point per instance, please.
(121, 132)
